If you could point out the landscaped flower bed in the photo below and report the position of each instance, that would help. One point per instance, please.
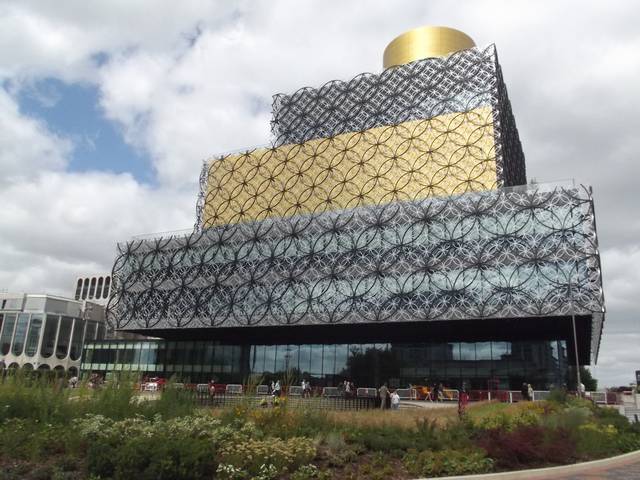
(46, 432)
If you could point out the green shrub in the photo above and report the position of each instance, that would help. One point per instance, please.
(611, 416)
(558, 395)
(509, 421)
(596, 441)
(37, 398)
(571, 418)
(447, 462)
(164, 457)
(249, 455)
(308, 472)
(174, 402)
(628, 442)
(528, 446)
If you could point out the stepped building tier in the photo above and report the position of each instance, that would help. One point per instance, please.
(390, 216)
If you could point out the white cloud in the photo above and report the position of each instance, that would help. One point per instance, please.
(26, 145)
(56, 226)
(619, 359)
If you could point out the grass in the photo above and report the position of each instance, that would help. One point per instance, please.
(402, 419)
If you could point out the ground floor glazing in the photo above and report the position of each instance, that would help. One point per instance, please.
(505, 364)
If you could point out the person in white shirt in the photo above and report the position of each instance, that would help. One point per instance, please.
(395, 400)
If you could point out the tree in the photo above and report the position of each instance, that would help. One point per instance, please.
(590, 383)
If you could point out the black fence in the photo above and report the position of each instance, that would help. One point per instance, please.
(267, 401)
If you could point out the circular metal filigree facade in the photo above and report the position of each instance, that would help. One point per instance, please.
(479, 255)
(381, 200)
(427, 107)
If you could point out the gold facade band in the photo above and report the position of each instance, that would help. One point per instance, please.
(445, 155)
(425, 42)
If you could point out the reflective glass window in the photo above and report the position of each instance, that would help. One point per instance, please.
(455, 351)
(170, 353)
(64, 335)
(99, 287)
(483, 351)
(236, 351)
(468, 351)
(257, 359)
(107, 285)
(7, 333)
(304, 361)
(195, 354)
(124, 354)
(76, 339)
(180, 353)
(90, 333)
(88, 355)
(34, 335)
(294, 357)
(78, 289)
(227, 358)
(102, 330)
(468, 360)
(92, 287)
(329, 360)
(342, 353)
(85, 288)
(283, 355)
(207, 359)
(20, 334)
(49, 336)
(144, 355)
(270, 359)
(316, 360)
(154, 354)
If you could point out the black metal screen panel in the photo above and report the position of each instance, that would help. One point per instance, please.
(529, 251)
(423, 89)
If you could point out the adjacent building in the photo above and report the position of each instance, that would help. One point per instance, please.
(47, 332)
(388, 234)
(95, 288)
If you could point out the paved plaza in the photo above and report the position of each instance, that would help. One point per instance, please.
(622, 467)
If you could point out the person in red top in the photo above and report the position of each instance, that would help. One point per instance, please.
(463, 400)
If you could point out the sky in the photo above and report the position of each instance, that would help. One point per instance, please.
(108, 108)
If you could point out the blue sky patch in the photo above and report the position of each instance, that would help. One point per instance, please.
(73, 111)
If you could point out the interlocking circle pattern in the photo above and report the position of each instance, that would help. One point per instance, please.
(479, 255)
(371, 116)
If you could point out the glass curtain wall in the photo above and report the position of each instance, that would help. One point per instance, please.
(7, 332)
(20, 334)
(62, 347)
(76, 339)
(33, 337)
(49, 335)
(477, 364)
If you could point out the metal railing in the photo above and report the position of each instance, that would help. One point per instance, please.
(407, 393)
(233, 389)
(367, 392)
(223, 400)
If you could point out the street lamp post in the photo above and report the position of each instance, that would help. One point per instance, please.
(575, 338)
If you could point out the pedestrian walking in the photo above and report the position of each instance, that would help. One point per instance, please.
(384, 391)
(524, 390)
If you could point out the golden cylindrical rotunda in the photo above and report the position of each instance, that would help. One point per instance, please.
(425, 42)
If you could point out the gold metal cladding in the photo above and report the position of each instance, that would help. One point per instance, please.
(425, 42)
(445, 155)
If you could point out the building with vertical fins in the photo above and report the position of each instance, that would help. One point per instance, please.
(388, 234)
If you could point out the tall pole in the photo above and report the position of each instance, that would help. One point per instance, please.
(575, 339)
